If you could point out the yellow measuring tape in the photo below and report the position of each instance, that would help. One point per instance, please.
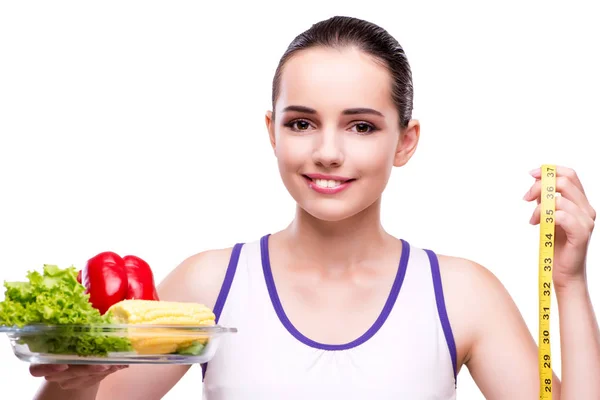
(546, 263)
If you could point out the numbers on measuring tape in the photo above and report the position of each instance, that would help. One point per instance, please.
(546, 259)
(546, 314)
(547, 286)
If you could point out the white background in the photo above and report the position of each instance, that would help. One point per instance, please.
(138, 127)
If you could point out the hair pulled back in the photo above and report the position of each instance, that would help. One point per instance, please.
(339, 32)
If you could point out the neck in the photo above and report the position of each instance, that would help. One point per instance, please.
(337, 244)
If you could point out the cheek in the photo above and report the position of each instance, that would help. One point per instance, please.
(291, 154)
(375, 158)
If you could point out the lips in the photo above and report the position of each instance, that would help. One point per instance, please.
(327, 184)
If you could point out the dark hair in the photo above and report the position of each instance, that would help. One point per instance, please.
(347, 31)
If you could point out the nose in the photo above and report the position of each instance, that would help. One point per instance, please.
(328, 151)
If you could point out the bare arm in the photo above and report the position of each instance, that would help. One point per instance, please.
(492, 337)
(198, 279)
(579, 343)
(502, 355)
(499, 350)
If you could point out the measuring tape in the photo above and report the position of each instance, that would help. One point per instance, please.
(546, 263)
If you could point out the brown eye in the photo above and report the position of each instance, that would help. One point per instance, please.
(302, 125)
(298, 125)
(363, 128)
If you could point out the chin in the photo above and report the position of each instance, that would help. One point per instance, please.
(325, 208)
(331, 210)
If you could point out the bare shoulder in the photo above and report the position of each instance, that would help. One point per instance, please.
(474, 297)
(198, 278)
(466, 278)
(487, 325)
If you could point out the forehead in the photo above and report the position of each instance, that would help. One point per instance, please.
(334, 79)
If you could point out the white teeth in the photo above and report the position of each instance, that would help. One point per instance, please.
(327, 183)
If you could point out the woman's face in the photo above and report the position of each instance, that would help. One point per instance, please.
(336, 132)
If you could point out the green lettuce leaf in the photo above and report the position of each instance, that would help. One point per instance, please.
(194, 349)
(54, 297)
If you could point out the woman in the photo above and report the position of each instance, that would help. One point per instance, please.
(342, 102)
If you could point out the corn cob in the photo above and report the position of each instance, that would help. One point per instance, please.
(162, 341)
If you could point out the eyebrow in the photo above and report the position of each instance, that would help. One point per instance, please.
(301, 109)
(353, 111)
(349, 111)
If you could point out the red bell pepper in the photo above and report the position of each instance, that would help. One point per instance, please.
(140, 280)
(109, 279)
(105, 279)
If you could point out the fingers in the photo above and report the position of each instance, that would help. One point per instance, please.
(80, 382)
(568, 216)
(573, 226)
(78, 371)
(568, 173)
(73, 376)
(568, 189)
(39, 370)
(62, 372)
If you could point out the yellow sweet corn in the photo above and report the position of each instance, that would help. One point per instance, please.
(164, 340)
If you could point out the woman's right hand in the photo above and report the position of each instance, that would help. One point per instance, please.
(68, 376)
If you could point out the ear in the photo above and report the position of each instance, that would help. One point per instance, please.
(270, 127)
(407, 143)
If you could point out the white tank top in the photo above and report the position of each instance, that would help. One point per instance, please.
(408, 353)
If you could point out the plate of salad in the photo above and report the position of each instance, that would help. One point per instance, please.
(107, 313)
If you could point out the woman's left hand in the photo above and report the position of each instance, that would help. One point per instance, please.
(574, 223)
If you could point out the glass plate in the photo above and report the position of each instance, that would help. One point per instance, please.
(115, 344)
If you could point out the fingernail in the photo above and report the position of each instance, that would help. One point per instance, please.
(534, 171)
(60, 367)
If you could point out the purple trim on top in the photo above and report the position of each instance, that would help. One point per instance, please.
(441, 306)
(385, 312)
(222, 297)
(231, 268)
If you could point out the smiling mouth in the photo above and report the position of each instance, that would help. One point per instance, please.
(327, 183)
